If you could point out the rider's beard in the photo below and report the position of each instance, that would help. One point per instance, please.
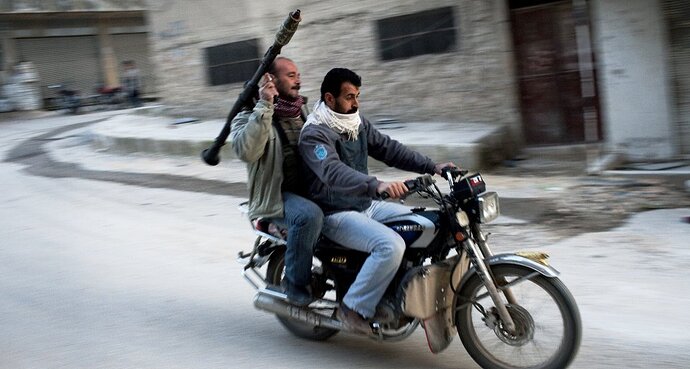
(340, 110)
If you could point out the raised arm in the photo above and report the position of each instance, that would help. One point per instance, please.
(251, 130)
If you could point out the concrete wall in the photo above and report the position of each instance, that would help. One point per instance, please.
(678, 14)
(631, 42)
(473, 83)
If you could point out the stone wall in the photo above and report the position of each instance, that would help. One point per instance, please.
(472, 83)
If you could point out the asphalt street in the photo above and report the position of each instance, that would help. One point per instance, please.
(115, 261)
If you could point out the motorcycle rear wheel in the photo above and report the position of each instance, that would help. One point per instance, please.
(274, 275)
(546, 316)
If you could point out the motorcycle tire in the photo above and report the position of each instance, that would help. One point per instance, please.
(274, 275)
(548, 326)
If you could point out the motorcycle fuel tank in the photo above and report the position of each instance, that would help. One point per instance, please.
(417, 229)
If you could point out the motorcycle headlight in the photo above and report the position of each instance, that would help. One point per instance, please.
(488, 207)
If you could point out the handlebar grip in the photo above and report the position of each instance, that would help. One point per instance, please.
(455, 172)
(412, 185)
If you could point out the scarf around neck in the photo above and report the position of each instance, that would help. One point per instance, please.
(347, 124)
(288, 109)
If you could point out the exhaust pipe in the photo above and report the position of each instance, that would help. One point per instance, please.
(268, 302)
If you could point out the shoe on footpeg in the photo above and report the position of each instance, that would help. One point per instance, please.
(352, 320)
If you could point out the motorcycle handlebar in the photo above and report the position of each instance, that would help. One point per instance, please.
(454, 172)
(413, 185)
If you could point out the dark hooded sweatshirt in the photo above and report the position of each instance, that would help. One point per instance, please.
(337, 173)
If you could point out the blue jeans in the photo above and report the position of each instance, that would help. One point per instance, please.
(303, 220)
(363, 231)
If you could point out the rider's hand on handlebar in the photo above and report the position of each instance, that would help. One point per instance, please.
(395, 190)
(439, 167)
(267, 88)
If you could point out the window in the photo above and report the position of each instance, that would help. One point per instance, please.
(427, 32)
(233, 62)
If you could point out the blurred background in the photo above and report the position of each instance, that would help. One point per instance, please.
(610, 73)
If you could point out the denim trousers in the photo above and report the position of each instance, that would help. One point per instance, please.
(363, 231)
(303, 220)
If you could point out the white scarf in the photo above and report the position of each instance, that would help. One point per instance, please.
(347, 124)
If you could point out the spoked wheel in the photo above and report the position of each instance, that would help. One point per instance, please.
(274, 275)
(548, 327)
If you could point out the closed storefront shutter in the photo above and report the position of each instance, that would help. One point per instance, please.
(70, 61)
(134, 46)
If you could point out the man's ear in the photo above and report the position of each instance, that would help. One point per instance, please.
(329, 100)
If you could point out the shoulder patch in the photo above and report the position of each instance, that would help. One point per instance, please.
(320, 152)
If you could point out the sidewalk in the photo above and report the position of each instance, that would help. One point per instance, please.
(146, 131)
(543, 188)
(472, 145)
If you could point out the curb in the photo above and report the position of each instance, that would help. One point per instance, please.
(127, 134)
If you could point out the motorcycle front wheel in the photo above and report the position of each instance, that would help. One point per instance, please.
(548, 327)
(275, 273)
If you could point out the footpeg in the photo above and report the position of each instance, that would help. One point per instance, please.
(376, 330)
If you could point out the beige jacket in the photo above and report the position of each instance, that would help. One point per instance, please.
(256, 142)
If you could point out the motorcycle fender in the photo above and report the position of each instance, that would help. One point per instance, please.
(514, 259)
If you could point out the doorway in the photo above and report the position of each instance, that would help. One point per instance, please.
(549, 74)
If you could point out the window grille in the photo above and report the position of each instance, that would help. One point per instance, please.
(427, 32)
(233, 62)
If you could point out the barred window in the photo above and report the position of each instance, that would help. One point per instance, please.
(233, 62)
(427, 32)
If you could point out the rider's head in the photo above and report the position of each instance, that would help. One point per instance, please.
(340, 90)
(287, 78)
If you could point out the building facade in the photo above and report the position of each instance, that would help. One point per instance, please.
(468, 76)
(553, 72)
(77, 44)
(605, 72)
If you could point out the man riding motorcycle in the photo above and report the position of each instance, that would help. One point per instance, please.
(335, 143)
(266, 138)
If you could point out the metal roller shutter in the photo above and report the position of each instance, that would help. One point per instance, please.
(71, 61)
(134, 46)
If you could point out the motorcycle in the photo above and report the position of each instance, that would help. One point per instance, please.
(67, 99)
(510, 310)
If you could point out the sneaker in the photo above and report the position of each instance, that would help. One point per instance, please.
(352, 320)
(295, 296)
(299, 296)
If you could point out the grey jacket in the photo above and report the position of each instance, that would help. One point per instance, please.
(337, 171)
(256, 141)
